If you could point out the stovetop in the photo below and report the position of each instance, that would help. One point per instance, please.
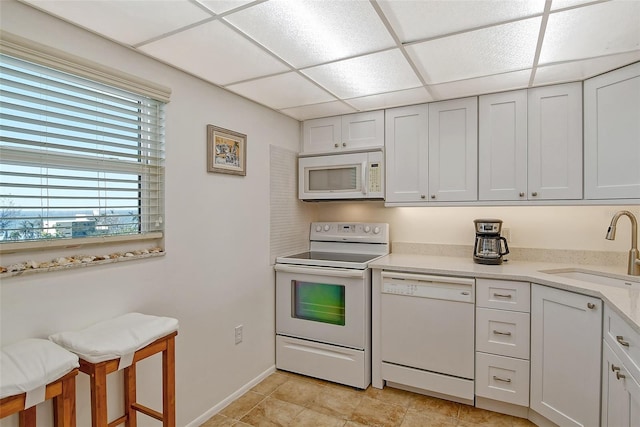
(342, 245)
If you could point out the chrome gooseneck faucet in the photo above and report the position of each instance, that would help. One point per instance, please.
(634, 259)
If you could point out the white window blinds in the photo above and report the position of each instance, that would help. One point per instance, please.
(78, 158)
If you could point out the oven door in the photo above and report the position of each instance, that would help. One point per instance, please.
(328, 305)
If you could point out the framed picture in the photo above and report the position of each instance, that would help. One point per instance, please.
(226, 151)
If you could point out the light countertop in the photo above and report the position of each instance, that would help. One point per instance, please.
(626, 302)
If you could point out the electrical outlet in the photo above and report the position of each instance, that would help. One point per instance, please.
(238, 331)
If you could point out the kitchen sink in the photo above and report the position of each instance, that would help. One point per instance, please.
(597, 277)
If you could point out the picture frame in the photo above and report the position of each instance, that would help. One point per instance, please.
(226, 151)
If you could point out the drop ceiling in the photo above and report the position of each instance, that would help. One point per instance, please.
(317, 58)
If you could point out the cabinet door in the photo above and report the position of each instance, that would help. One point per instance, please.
(555, 142)
(453, 150)
(612, 135)
(502, 146)
(321, 135)
(566, 339)
(406, 138)
(620, 392)
(363, 130)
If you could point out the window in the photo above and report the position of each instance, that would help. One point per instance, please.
(78, 159)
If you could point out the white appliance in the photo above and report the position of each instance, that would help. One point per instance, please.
(323, 303)
(341, 176)
(427, 334)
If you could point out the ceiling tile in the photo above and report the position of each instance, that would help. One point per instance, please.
(221, 6)
(482, 85)
(417, 20)
(392, 99)
(129, 22)
(595, 30)
(584, 69)
(562, 4)
(493, 50)
(282, 91)
(366, 75)
(334, 108)
(310, 32)
(215, 53)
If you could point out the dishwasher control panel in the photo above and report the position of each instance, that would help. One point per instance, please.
(451, 290)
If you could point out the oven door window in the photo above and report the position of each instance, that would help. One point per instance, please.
(318, 302)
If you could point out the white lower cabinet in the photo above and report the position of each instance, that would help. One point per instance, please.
(620, 372)
(620, 392)
(566, 339)
(502, 345)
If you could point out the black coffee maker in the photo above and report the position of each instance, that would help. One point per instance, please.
(490, 246)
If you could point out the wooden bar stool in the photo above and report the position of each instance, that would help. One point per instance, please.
(35, 370)
(120, 343)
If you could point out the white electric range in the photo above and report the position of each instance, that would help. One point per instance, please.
(323, 303)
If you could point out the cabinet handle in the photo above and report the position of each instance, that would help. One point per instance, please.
(620, 376)
(502, 296)
(335, 145)
(521, 194)
(591, 305)
(433, 196)
(344, 144)
(620, 340)
(504, 380)
(614, 368)
(422, 196)
(534, 194)
(501, 333)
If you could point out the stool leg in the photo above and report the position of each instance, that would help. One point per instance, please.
(27, 417)
(98, 380)
(130, 395)
(169, 384)
(64, 405)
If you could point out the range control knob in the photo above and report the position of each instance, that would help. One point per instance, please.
(367, 229)
(326, 227)
(318, 228)
(376, 230)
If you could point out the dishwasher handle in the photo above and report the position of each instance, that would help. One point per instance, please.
(428, 278)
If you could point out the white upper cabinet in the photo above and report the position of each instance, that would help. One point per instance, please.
(406, 161)
(612, 135)
(502, 146)
(453, 150)
(555, 142)
(343, 133)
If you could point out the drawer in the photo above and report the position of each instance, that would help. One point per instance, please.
(502, 332)
(503, 295)
(502, 378)
(623, 339)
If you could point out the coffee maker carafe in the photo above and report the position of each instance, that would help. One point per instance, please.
(490, 246)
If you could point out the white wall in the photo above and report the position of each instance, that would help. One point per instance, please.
(552, 227)
(216, 273)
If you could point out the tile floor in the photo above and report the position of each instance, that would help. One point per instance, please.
(286, 399)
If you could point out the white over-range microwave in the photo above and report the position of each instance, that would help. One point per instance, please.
(341, 176)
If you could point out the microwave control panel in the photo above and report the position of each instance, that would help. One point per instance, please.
(375, 177)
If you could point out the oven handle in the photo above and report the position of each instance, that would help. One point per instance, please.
(330, 272)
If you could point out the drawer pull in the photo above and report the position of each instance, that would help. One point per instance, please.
(620, 376)
(614, 368)
(591, 305)
(620, 340)
(504, 380)
(502, 296)
(501, 333)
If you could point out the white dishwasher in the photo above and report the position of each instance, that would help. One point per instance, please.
(427, 334)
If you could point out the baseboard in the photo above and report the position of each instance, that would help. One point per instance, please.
(220, 406)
